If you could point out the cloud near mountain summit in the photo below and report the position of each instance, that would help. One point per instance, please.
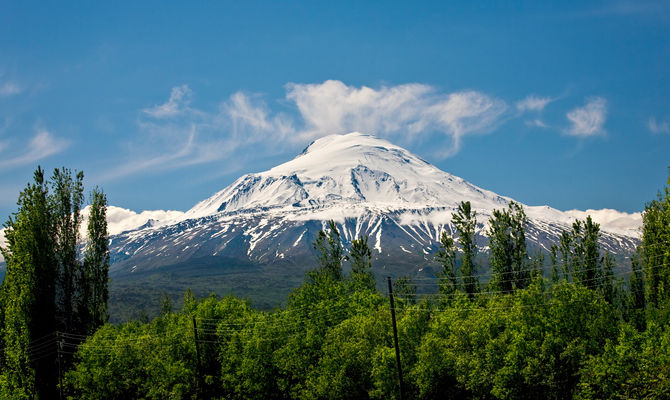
(333, 107)
(177, 134)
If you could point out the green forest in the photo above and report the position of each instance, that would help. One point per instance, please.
(569, 324)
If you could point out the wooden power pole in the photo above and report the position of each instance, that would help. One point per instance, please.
(395, 340)
(197, 353)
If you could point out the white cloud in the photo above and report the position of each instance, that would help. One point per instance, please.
(612, 220)
(533, 103)
(180, 98)
(589, 119)
(42, 145)
(333, 107)
(177, 135)
(9, 89)
(121, 219)
(658, 126)
(537, 123)
(250, 120)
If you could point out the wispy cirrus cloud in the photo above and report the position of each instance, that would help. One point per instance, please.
(656, 126)
(533, 103)
(9, 89)
(42, 145)
(248, 119)
(180, 98)
(589, 119)
(178, 135)
(537, 123)
(175, 134)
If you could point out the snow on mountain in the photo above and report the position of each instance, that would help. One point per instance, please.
(352, 173)
(347, 170)
(368, 185)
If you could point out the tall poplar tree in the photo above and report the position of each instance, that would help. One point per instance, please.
(502, 251)
(67, 199)
(446, 256)
(554, 265)
(509, 256)
(521, 267)
(30, 290)
(465, 221)
(361, 263)
(586, 259)
(330, 251)
(95, 271)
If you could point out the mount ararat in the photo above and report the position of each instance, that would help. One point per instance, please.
(367, 185)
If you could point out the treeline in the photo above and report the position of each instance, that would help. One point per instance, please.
(50, 285)
(584, 329)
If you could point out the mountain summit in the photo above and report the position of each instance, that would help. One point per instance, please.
(343, 171)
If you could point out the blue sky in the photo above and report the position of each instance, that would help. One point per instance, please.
(162, 104)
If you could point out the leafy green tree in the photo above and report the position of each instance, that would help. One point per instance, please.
(94, 278)
(446, 256)
(592, 265)
(586, 252)
(361, 264)
(502, 249)
(637, 294)
(465, 221)
(345, 371)
(66, 203)
(655, 247)
(319, 304)
(523, 345)
(30, 290)
(507, 240)
(634, 366)
(330, 251)
(46, 282)
(580, 252)
(608, 287)
(566, 255)
(553, 255)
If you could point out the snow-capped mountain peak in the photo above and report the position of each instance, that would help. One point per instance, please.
(347, 170)
(368, 186)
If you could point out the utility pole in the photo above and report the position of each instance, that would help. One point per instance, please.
(395, 340)
(59, 343)
(197, 352)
